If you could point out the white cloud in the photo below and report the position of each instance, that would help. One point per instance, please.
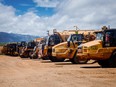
(86, 14)
(89, 13)
(7, 17)
(47, 3)
(29, 23)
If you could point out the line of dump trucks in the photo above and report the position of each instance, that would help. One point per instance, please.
(79, 46)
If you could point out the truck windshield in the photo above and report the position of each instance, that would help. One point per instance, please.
(22, 44)
(75, 37)
(53, 40)
(31, 44)
(110, 38)
(99, 36)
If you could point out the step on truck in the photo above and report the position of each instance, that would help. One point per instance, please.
(102, 49)
(68, 49)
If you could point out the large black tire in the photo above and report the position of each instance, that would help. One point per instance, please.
(21, 56)
(54, 59)
(24, 56)
(103, 63)
(76, 60)
(33, 56)
(109, 63)
(113, 60)
(14, 53)
(45, 58)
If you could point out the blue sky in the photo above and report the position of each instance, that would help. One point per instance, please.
(36, 17)
(22, 6)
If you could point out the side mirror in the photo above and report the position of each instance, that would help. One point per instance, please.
(68, 43)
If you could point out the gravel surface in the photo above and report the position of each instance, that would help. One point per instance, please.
(17, 72)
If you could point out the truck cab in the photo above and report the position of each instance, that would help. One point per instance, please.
(51, 41)
(102, 49)
(13, 49)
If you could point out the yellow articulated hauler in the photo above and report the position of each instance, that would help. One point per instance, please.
(68, 49)
(10, 49)
(102, 49)
(54, 39)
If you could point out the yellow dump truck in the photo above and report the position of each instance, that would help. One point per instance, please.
(37, 51)
(20, 46)
(55, 39)
(102, 49)
(10, 49)
(13, 48)
(27, 50)
(68, 49)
